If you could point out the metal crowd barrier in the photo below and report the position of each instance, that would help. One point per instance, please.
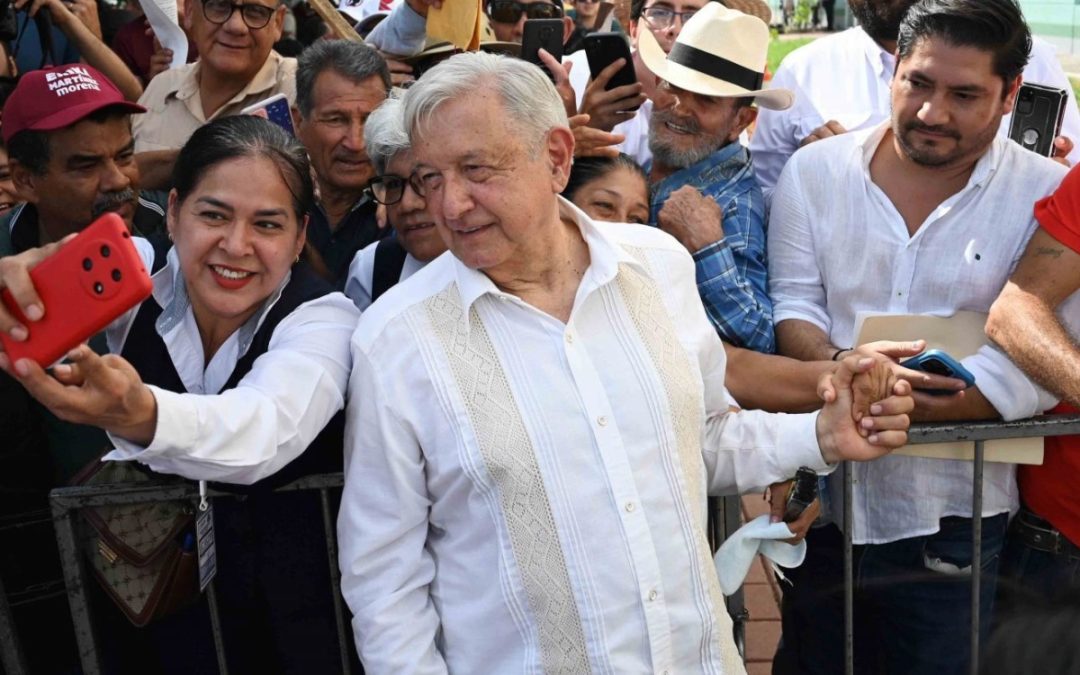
(66, 502)
(725, 518)
(979, 433)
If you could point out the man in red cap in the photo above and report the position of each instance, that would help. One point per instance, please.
(68, 134)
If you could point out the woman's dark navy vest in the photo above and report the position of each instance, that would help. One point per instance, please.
(146, 351)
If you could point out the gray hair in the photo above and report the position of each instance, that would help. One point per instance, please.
(385, 134)
(352, 60)
(532, 105)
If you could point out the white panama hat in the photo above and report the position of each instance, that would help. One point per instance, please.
(719, 52)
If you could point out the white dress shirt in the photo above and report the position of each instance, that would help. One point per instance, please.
(524, 495)
(362, 270)
(838, 246)
(846, 77)
(249, 432)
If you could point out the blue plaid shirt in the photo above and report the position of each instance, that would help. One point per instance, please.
(731, 273)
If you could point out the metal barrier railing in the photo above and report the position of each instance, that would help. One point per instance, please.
(979, 433)
(65, 503)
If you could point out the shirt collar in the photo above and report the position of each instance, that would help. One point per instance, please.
(881, 61)
(170, 292)
(605, 257)
(734, 153)
(264, 79)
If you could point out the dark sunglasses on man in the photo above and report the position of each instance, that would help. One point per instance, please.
(510, 11)
(255, 16)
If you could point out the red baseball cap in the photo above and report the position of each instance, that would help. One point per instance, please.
(57, 97)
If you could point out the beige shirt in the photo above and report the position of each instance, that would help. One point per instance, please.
(174, 106)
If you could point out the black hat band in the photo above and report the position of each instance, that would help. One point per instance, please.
(716, 66)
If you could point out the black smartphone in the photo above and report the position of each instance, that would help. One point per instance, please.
(1036, 117)
(803, 493)
(603, 49)
(542, 34)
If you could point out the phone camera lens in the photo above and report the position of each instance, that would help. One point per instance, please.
(99, 287)
(116, 275)
(87, 264)
(105, 251)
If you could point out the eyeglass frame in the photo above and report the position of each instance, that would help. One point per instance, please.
(523, 10)
(684, 16)
(412, 181)
(233, 6)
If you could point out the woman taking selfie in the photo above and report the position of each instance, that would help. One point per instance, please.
(229, 372)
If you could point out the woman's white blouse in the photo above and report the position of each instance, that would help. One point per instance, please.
(249, 432)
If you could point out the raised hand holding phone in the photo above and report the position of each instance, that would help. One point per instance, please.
(56, 297)
(275, 109)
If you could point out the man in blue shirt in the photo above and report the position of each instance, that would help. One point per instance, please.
(704, 190)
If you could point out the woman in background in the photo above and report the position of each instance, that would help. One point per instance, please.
(613, 189)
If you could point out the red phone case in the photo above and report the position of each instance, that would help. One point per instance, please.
(85, 286)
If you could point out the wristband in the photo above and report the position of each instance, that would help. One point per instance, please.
(839, 352)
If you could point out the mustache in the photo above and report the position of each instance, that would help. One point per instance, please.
(111, 201)
(915, 125)
(665, 116)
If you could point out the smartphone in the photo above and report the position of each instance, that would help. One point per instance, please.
(937, 362)
(275, 109)
(542, 34)
(1036, 117)
(85, 286)
(803, 493)
(603, 49)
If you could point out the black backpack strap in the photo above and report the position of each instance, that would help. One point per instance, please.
(389, 261)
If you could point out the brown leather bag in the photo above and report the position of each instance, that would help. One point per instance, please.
(143, 555)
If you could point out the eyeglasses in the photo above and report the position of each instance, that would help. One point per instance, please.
(255, 16)
(510, 11)
(390, 189)
(662, 17)
(586, 2)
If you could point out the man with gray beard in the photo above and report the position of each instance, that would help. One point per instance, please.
(704, 190)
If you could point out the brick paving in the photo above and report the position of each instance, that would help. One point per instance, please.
(762, 600)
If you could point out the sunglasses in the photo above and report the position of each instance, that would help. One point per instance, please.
(220, 11)
(510, 11)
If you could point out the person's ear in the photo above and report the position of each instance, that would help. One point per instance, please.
(277, 24)
(188, 15)
(25, 181)
(172, 210)
(1010, 94)
(744, 117)
(560, 150)
(297, 118)
(568, 28)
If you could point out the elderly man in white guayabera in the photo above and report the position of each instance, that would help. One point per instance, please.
(536, 419)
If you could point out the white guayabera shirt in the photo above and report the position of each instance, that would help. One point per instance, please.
(524, 495)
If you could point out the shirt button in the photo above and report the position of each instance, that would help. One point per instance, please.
(570, 338)
(602, 421)
(629, 507)
(653, 595)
